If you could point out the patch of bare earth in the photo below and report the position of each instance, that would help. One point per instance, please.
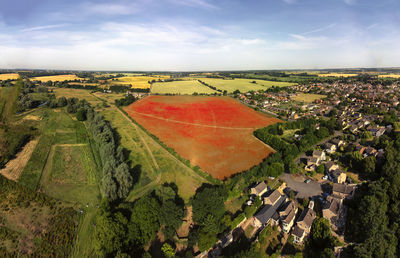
(15, 166)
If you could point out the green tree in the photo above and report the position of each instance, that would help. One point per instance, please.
(81, 114)
(167, 250)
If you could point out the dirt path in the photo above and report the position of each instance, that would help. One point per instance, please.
(164, 150)
(15, 166)
(141, 138)
(195, 124)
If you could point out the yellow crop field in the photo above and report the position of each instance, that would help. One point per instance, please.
(389, 76)
(8, 76)
(307, 97)
(337, 74)
(57, 78)
(138, 81)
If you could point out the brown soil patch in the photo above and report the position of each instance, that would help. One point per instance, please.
(32, 117)
(183, 231)
(15, 166)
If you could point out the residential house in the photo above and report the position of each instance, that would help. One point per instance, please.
(330, 166)
(330, 147)
(304, 223)
(272, 197)
(332, 210)
(259, 189)
(369, 151)
(343, 190)
(319, 155)
(264, 216)
(338, 176)
(338, 142)
(287, 215)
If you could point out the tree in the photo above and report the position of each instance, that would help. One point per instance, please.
(168, 251)
(320, 239)
(81, 114)
(320, 169)
(124, 179)
(369, 165)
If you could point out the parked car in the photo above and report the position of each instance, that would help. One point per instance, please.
(325, 177)
(307, 181)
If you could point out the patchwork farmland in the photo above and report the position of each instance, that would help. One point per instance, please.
(214, 133)
(57, 78)
(181, 87)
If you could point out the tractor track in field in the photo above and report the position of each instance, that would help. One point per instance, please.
(194, 124)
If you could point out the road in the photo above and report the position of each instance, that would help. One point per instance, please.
(296, 183)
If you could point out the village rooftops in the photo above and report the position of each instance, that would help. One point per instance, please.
(298, 232)
(306, 219)
(333, 205)
(343, 188)
(266, 213)
(259, 189)
(272, 197)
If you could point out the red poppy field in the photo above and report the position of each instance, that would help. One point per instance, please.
(214, 133)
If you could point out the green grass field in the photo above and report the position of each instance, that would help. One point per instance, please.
(181, 87)
(65, 165)
(156, 165)
(243, 85)
(307, 97)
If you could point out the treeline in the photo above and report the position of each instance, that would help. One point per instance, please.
(212, 87)
(126, 101)
(116, 181)
(373, 216)
(36, 73)
(283, 159)
(125, 229)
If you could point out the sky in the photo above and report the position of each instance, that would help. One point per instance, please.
(199, 35)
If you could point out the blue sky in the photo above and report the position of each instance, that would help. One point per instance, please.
(199, 34)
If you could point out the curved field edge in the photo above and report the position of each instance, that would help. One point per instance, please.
(172, 151)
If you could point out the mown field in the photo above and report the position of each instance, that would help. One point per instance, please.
(337, 74)
(243, 85)
(181, 87)
(396, 76)
(8, 76)
(154, 164)
(137, 81)
(307, 97)
(55, 78)
(76, 93)
(65, 165)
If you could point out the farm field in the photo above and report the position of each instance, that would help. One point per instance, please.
(396, 76)
(137, 81)
(243, 85)
(337, 74)
(204, 131)
(181, 87)
(155, 164)
(65, 165)
(307, 97)
(8, 76)
(76, 93)
(57, 78)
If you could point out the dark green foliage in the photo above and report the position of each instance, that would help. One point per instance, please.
(208, 211)
(320, 242)
(81, 114)
(129, 99)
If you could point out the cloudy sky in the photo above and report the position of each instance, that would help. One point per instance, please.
(199, 34)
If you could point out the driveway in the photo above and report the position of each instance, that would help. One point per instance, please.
(296, 183)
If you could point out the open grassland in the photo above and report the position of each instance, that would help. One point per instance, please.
(152, 162)
(65, 165)
(76, 93)
(307, 97)
(214, 133)
(337, 74)
(8, 76)
(56, 78)
(243, 85)
(396, 76)
(34, 225)
(137, 81)
(181, 87)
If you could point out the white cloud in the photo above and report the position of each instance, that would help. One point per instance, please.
(290, 1)
(45, 27)
(350, 2)
(195, 3)
(320, 29)
(110, 8)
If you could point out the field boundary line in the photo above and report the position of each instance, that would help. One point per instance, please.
(195, 124)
